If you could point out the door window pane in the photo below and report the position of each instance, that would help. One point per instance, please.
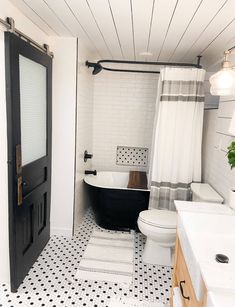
(33, 110)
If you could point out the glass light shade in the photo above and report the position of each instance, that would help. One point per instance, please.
(223, 82)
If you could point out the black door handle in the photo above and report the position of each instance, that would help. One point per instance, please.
(182, 290)
(25, 183)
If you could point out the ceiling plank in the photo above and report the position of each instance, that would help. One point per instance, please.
(214, 52)
(122, 16)
(218, 24)
(142, 12)
(205, 13)
(172, 30)
(178, 25)
(64, 12)
(34, 17)
(162, 14)
(103, 17)
(61, 10)
(42, 9)
(83, 14)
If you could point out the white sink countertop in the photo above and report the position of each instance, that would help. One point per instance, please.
(204, 230)
(220, 300)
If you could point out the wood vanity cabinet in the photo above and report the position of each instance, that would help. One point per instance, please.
(182, 279)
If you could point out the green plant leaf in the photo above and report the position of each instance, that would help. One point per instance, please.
(231, 155)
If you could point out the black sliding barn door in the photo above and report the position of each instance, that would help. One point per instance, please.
(28, 90)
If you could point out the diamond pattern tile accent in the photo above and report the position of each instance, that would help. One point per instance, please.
(136, 156)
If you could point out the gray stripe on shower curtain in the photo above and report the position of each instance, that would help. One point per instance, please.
(182, 98)
(183, 87)
(170, 185)
(163, 193)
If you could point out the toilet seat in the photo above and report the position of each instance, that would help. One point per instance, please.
(159, 218)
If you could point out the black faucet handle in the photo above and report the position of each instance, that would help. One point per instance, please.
(91, 172)
(87, 155)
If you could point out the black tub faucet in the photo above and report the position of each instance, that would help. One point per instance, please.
(91, 172)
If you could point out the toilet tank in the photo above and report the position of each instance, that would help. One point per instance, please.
(203, 192)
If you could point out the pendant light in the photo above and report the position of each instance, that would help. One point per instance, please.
(223, 81)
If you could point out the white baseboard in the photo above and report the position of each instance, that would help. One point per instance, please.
(67, 232)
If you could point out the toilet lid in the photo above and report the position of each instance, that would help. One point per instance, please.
(159, 218)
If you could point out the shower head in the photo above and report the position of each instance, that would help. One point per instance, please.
(97, 67)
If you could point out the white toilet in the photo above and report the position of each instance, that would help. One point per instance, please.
(159, 226)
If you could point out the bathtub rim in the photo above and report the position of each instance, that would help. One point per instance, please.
(110, 187)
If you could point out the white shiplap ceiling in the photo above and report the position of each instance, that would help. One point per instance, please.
(172, 30)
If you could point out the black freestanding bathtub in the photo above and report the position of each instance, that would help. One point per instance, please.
(115, 206)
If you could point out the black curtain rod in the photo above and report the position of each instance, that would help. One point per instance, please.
(132, 70)
(98, 66)
(197, 65)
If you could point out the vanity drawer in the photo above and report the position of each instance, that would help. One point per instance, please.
(183, 281)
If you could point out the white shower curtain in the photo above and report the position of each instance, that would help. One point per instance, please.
(176, 160)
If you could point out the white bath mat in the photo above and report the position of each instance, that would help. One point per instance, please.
(129, 302)
(108, 257)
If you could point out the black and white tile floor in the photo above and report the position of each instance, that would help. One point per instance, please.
(49, 280)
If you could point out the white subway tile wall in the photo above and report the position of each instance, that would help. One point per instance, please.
(216, 138)
(84, 130)
(124, 109)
